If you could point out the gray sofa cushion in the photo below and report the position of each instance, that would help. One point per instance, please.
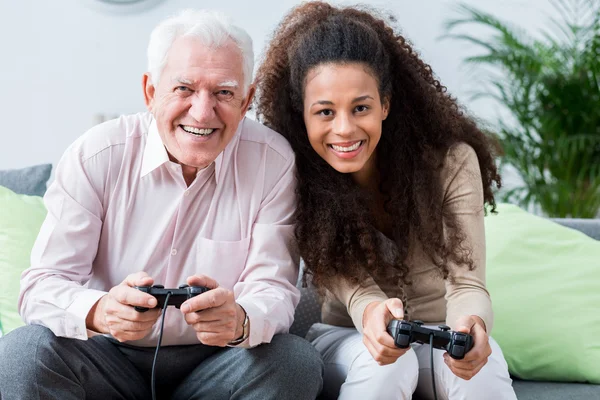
(530, 390)
(30, 181)
(590, 227)
(307, 313)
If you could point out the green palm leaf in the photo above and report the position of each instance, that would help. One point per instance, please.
(551, 87)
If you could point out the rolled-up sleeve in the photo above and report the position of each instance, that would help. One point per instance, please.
(52, 289)
(266, 289)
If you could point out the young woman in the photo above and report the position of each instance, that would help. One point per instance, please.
(392, 182)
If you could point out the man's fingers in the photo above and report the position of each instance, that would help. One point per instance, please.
(138, 279)
(211, 314)
(202, 280)
(211, 299)
(215, 326)
(133, 297)
(130, 314)
(132, 326)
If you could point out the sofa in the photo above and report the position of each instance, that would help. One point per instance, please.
(32, 181)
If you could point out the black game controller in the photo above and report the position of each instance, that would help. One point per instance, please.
(178, 296)
(457, 344)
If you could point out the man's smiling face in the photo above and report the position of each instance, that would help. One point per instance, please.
(199, 100)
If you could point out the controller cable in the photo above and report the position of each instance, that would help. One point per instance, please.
(431, 359)
(162, 325)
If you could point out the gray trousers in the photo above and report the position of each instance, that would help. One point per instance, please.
(35, 364)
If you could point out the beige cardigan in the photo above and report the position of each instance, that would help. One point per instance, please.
(429, 297)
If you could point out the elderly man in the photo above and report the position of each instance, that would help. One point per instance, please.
(189, 193)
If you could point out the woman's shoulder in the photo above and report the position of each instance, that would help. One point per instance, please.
(460, 154)
(461, 166)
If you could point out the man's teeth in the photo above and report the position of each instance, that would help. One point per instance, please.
(346, 149)
(197, 131)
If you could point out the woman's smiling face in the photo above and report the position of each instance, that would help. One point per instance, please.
(343, 114)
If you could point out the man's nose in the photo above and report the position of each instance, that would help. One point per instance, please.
(343, 125)
(203, 106)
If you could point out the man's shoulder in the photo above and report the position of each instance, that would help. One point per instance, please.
(111, 135)
(255, 132)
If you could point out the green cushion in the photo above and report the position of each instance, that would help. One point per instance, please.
(21, 217)
(544, 280)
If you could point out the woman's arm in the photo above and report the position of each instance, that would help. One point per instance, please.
(356, 298)
(467, 294)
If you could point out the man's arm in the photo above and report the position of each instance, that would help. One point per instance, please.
(61, 260)
(266, 288)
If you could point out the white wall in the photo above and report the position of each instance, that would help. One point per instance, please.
(63, 62)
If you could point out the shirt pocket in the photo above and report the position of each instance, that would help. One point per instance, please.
(221, 260)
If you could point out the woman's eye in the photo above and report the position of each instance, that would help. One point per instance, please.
(361, 108)
(326, 113)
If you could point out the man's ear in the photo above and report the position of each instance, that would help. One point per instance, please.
(248, 99)
(149, 91)
(386, 107)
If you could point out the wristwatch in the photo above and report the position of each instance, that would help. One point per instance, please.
(245, 330)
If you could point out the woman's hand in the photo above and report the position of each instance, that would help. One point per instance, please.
(477, 357)
(380, 344)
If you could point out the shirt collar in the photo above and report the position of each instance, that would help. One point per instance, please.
(155, 153)
(225, 158)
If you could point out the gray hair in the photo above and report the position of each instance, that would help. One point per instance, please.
(212, 27)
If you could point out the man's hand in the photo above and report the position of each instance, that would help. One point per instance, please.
(214, 315)
(114, 312)
(380, 344)
(477, 357)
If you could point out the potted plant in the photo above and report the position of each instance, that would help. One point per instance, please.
(551, 88)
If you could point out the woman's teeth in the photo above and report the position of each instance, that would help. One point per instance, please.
(346, 149)
(197, 131)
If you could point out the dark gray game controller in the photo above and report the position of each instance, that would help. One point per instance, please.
(177, 297)
(457, 344)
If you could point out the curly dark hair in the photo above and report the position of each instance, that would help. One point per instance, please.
(335, 226)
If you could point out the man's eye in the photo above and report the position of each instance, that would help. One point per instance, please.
(182, 89)
(225, 93)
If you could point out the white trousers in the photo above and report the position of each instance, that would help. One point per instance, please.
(351, 373)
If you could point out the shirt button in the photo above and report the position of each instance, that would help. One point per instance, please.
(186, 193)
(174, 252)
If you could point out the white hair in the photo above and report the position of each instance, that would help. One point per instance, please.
(211, 27)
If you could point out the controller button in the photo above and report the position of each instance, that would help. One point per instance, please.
(158, 286)
(444, 328)
(418, 322)
(403, 341)
(458, 351)
(183, 286)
